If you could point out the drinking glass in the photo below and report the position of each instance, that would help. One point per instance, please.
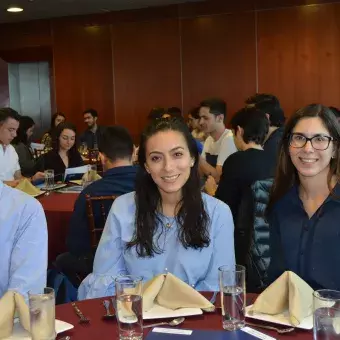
(129, 307)
(42, 314)
(49, 180)
(326, 314)
(233, 296)
(90, 176)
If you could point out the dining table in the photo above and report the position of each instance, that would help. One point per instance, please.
(99, 328)
(58, 209)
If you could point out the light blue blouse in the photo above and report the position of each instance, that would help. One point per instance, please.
(23, 242)
(198, 268)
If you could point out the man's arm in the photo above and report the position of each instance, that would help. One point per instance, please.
(28, 265)
(206, 169)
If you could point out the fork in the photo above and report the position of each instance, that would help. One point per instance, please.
(82, 319)
(278, 330)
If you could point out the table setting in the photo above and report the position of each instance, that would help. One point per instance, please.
(167, 305)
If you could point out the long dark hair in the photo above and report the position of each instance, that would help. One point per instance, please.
(25, 123)
(192, 217)
(286, 173)
(56, 134)
(53, 118)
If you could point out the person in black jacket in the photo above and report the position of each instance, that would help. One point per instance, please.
(115, 151)
(249, 164)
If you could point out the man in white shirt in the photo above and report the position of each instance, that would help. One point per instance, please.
(9, 162)
(220, 143)
(23, 242)
(10, 172)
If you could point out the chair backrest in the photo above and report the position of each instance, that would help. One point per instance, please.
(96, 226)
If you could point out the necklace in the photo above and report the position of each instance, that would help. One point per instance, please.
(168, 224)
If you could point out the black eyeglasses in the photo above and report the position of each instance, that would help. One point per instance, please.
(319, 142)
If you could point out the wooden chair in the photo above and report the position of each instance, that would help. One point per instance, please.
(96, 230)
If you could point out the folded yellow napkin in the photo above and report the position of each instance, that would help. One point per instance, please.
(288, 293)
(169, 291)
(13, 303)
(26, 186)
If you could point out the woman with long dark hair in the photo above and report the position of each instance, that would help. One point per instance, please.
(64, 153)
(21, 144)
(167, 224)
(47, 138)
(304, 205)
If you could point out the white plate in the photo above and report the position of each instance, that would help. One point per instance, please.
(159, 312)
(19, 333)
(307, 323)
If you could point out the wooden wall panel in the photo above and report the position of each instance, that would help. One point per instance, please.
(83, 71)
(299, 61)
(25, 34)
(147, 70)
(218, 54)
(4, 90)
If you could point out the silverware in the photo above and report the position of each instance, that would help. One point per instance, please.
(82, 319)
(212, 301)
(108, 315)
(278, 330)
(65, 338)
(213, 298)
(174, 322)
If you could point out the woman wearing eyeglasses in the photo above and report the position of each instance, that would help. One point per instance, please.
(304, 205)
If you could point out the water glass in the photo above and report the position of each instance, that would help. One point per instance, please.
(129, 307)
(42, 314)
(49, 180)
(233, 296)
(90, 176)
(326, 314)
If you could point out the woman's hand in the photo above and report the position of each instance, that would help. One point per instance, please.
(37, 176)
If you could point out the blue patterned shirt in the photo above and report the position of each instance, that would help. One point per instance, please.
(23, 242)
(197, 267)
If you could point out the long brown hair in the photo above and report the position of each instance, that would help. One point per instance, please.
(286, 174)
(192, 217)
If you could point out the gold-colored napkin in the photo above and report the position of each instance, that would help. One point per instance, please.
(13, 303)
(26, 186)
(288, 293)
(169, 291)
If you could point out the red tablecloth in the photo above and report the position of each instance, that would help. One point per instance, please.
(108, 330)
(58, 209)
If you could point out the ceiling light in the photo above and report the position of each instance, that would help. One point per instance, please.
(14, 9)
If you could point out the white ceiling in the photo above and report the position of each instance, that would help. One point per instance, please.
(39, 9)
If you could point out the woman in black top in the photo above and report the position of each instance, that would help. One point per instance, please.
(21, 144)
(64, 153)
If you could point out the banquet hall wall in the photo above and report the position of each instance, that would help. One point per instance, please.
(125, 63)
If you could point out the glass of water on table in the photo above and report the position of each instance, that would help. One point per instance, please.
(233, 296)
(49, 180)
(42, 314)
(326, 314)
(129, 307)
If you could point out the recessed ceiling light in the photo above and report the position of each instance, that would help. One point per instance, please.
(14, 9)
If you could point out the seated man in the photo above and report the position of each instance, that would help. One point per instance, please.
(115, 151)
(23, 242)
(249, 164)
(220, 143)
(10, 172)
